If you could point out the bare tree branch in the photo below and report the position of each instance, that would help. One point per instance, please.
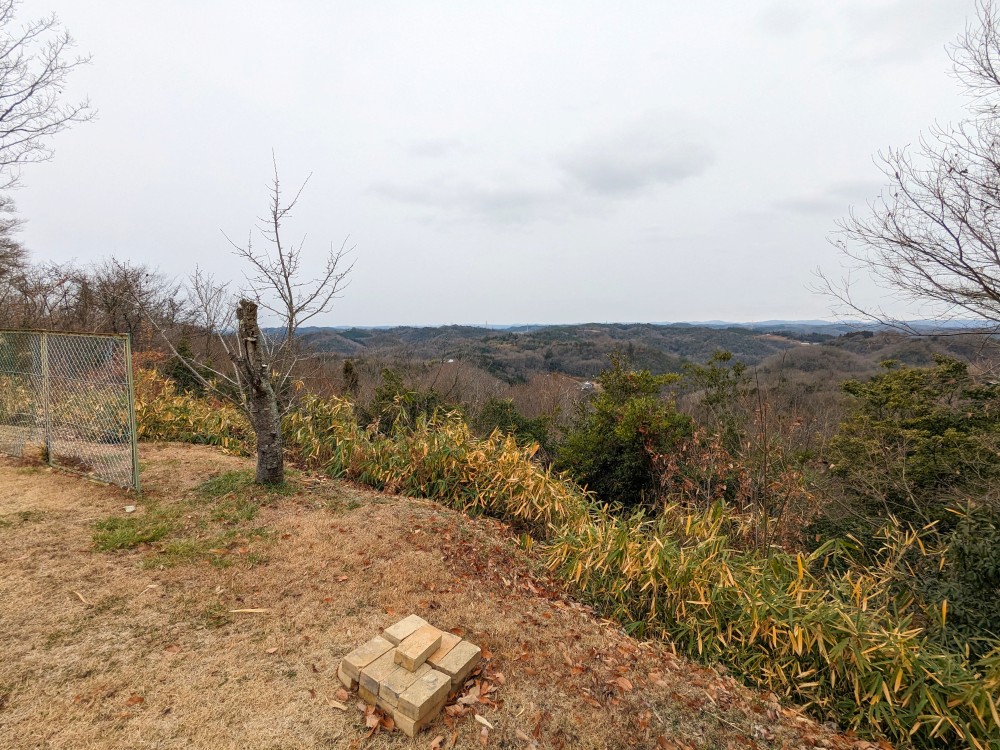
(931, 236)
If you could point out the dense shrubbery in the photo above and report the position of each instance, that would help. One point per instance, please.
(612, 446)
(823, 629)
(395, 405)
(917, 441)
(923, 445)
(966, 582)
(840, 643)
(502, 414)
(164, 413)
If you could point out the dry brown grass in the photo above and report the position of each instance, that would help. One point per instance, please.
(86, 634)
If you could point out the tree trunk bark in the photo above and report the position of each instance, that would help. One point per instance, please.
(261, 402)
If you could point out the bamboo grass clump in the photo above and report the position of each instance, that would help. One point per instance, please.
(839, 643)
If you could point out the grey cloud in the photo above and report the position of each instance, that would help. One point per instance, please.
(870, 33)
(644, 156)
(781, 19)
(502, 204)
(833, 200)
(901, 30)
(434, 148)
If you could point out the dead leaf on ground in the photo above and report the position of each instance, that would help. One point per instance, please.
(437, 743)
(135, 700)
(524, 737)
(484, 737)
(455, 710)
(271, 651)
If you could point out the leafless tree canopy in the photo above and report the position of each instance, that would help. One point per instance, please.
(35, 61)
(211, 308)
(111, 296)
(932, 234)
(276, 273)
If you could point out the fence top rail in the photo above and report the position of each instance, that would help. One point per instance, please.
(83, 334)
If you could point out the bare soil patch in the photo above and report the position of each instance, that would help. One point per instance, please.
(140, 648)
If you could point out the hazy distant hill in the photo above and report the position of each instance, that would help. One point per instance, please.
(580, 350)
(583, 350)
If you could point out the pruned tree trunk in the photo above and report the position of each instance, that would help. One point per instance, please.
(261, 402)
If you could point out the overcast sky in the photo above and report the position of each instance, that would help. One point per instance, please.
(497, 162)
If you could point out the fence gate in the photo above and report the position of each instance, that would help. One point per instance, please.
(70, 398)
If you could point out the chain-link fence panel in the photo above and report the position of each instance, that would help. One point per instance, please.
(21, 410)
(70, 396)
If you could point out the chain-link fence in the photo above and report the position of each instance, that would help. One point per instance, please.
(69, 397)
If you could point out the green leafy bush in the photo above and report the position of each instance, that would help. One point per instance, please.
(917, 439)
(965, 586)
(394, 405)
(612, 445)
(501, 414)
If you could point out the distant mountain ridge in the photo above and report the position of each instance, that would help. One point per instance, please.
(817, 326)
(516, 353)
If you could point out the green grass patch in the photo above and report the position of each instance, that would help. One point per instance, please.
(242, 483)
(223, 550)
(126, 532)
(214, 524)
(235, 510)
(177, 551)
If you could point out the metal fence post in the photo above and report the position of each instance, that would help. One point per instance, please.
(130, 384)
(46, 397)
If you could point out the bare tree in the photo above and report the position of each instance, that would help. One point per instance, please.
(275, 275)
(212, 307)
(262, 365)
(35, 62)
(932, 235)
(119, 295)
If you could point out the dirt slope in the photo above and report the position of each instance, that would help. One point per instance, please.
(140, 649)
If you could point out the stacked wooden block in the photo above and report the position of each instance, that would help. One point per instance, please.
(409, 671)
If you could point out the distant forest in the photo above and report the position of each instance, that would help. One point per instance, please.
(584, 351)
